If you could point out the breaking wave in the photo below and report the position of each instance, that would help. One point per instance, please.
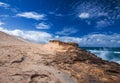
(107, 54)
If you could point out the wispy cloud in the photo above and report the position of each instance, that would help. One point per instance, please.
(31, 15)
(102, 14)
(1, 23)
(56, 14)
(5, 5)
(67, 31)
(43, 25)
(102, 23)
(95, 11)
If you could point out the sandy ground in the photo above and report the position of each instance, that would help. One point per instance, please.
(55, 62)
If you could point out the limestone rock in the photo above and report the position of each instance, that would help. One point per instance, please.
(55, 62)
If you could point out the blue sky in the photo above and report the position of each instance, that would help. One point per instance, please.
(87, 22)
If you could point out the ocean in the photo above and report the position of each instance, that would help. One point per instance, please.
(110, 54)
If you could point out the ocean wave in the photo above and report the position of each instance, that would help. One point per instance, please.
(107, 54)
(117, 52)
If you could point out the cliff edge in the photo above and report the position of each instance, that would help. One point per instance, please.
(55, 62)
(83, 65)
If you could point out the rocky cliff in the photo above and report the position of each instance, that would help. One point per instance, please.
(55, 62)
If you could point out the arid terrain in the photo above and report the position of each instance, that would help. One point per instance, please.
(56, 62)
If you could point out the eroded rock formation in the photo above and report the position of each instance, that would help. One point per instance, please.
(55, 62)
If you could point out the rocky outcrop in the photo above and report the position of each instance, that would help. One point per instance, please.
(64, 43)
(83, 65)
(58, 46)
(55, 62)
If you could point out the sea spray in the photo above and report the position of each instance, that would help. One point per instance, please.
(110, 54)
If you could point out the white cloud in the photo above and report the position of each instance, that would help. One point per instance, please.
(56, 14)
(1, 23)
(4, 16)
(59, 15)
(68, 39)
(32, 15)
(102, 14)
(35, 36)
(97, 40)
(95, 11)
(102, 23)
(67, 31)
(43, 25)
(84, 15)
(5, 5)
(88, 22)
(90, 40)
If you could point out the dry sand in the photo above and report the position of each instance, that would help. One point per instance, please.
(55, 62)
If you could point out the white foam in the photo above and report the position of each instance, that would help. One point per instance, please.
(117, 52)
(101, 53)
(106, 54)
(118, 62)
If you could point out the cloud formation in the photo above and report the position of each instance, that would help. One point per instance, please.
(1, 23)
(98, 11)
(102, 23)
(56, 14)
(5, 5)
(34, 36)
(84, 15)
(90, 40)
(43, 25)
(96, 40)
(31, 15)
(67, 31)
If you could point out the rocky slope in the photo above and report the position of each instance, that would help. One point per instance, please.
(55, 62)
(6, 39)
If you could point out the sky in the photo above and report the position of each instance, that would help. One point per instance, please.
(90, 23)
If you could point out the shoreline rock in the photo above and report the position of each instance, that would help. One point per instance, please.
(55, 62)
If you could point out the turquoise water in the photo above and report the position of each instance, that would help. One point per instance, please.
(110, 54)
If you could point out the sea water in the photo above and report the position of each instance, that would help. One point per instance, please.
(110, 54)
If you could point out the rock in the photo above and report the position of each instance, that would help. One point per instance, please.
(55, 62)
(64, 43)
